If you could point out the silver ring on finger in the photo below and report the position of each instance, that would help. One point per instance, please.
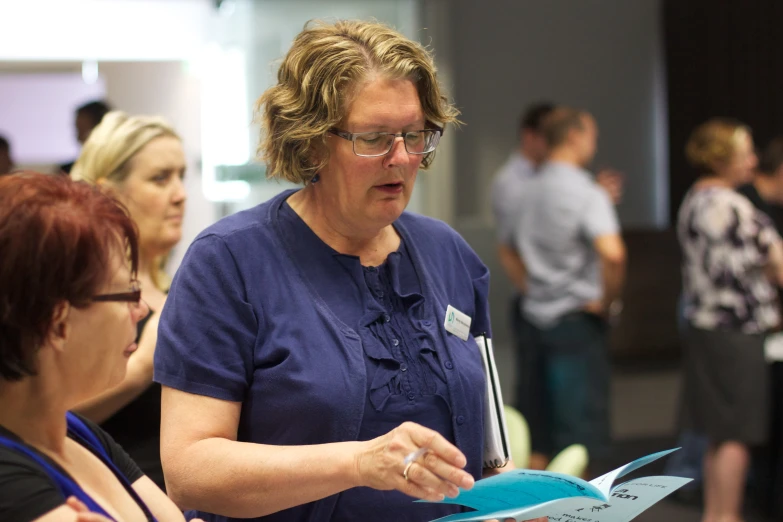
(410, 458)
(406, 470)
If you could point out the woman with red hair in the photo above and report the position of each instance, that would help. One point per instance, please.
(69, 306)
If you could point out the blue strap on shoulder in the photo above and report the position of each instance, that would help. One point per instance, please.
(66, 485)
(77, 426)
(87, 437)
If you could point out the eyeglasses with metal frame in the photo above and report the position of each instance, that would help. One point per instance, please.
(374, 144)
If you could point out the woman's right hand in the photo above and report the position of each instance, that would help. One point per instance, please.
(438, 473)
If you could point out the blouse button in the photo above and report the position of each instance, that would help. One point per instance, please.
(386, 318)
(396, 342)
(460, 419)
(380, 293)
(411, 396)
(449, 365)
(403, 367)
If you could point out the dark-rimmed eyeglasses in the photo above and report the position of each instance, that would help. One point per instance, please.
(133, 296)
(373, 144)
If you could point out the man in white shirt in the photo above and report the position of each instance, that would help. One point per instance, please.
(507, 185)
(520, 166)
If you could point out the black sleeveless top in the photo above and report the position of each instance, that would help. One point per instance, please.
(136, 427)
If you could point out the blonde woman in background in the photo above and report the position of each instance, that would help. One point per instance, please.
(732, 260)
(141, 161)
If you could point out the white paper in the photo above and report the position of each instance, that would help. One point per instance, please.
(604, 482)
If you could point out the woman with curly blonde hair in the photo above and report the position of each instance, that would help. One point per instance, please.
(302, 352)
(732, 260)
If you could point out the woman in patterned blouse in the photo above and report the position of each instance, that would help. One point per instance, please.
(732, 261)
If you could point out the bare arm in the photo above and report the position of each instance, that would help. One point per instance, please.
(513, 266)
(137, 379)
(161, 506)
(775, 263)
(611, 251)
(208, 469)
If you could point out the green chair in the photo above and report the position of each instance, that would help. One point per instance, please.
(572, 460)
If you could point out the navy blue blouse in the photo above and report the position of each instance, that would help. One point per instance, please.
(265, 313)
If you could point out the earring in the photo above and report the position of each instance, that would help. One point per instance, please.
(314, 179)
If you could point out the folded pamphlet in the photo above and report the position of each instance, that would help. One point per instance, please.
(524, 494)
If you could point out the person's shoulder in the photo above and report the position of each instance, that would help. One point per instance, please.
(741, 202)
(501, 181)
(12, 461)
(435, 236)
(564, 175)
(245, 222)
(514, 168)
(727, 197)
(714, 205)
(26, 489)
(237, 223)
(104, 438)
(435, 229)
(574, 185)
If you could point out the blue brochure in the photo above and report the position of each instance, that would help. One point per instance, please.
(524, 494)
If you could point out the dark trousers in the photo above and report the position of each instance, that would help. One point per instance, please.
(529, 380)
(568, 391)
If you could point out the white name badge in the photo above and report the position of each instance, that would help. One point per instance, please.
(457, 323)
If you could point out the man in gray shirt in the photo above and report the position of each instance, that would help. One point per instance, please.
(573, 260)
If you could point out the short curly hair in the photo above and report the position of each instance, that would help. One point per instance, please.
(714, 142)
(315, 82)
